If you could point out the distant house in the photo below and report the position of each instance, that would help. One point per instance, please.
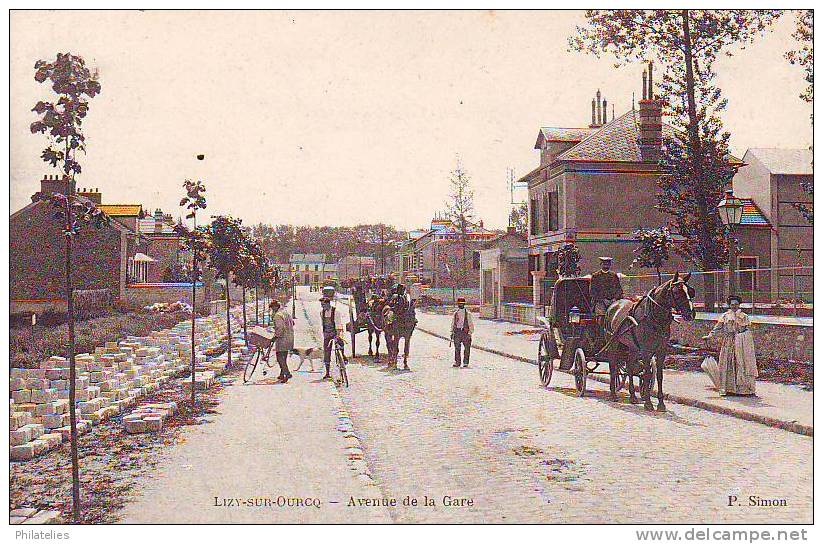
(37, 251)
(356, 266)
(309, 268)
(504, 275)
(434, 256)
(771, 182)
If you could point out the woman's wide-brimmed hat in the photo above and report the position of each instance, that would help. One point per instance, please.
(461, 300)
(734, 297)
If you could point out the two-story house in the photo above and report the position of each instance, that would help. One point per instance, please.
(773, 180)
(595, 186)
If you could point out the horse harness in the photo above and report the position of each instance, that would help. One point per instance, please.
(661, 330)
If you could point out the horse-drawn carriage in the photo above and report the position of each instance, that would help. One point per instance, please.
(572, 333)
(376, 312)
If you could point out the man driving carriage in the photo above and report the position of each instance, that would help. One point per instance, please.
(605, 289)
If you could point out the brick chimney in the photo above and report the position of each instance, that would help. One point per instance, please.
(651, 120)
(158, 220)
(599, 111)
(57, 183)
(92, 194)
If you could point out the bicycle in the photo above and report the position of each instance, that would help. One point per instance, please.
(340, 358)
(263, 341)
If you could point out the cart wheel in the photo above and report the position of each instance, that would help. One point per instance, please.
(545, 361)
(580, 371)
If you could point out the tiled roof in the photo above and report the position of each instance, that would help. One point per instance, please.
(752, 214)
(307, 258)
(561, 134)
(146, 226)
(121, 210)
(784, 161)
(616, 141)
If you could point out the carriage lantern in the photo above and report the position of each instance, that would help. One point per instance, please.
(574, 314)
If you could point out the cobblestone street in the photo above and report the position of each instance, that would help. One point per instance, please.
(527, 454)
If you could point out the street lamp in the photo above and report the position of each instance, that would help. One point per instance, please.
(731, 214)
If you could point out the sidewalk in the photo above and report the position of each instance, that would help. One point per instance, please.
(270, 454)
(777, 405)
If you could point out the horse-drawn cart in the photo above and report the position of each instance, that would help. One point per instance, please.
(358, 318)
(572, 334)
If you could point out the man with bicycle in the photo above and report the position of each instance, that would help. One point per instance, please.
(283, 338)
(328, 321)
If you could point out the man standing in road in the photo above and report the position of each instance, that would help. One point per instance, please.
(462, 330)
(329, 324)
(605, 289)
(283, 338)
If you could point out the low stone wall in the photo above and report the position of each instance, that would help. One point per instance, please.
(784, 342)
(518, 313)
(144, 294)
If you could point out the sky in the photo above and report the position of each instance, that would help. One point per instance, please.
(340, 118)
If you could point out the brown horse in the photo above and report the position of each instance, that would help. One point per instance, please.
(399, 324)
(640, 331)
(376, 326)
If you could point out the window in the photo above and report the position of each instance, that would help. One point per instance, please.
(476, 260)
(316, 267)
(545, 222)
(747, 281)
(553, 212)
(533, 216)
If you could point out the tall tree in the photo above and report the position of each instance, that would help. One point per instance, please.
(226, 236)
(62, 122)
(803, 56)
(695, 158)
(196, 243)
(460, 210)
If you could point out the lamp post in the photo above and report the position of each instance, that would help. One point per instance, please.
(731, 214)
(293, 297)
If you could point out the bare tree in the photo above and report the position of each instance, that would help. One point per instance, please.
(460, 210)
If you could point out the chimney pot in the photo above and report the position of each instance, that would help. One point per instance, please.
(644, 84)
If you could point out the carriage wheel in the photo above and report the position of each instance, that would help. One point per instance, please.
(581, 371)
(545, 361)
(353, 332)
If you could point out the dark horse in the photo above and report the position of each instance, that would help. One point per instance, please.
(376, 326)
(363, 315)
(399, 323)
(640, 331)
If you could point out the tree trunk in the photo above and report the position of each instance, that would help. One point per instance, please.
(75, 463)
(694, 135)
(245, 328)
(659, 276)
(193, 307)
(257, 304)
(228, 317)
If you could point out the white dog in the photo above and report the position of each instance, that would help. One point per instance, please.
(307, 354)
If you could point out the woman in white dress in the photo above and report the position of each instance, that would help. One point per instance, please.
(736, 368)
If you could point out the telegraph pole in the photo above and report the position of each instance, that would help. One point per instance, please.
(382, 250)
